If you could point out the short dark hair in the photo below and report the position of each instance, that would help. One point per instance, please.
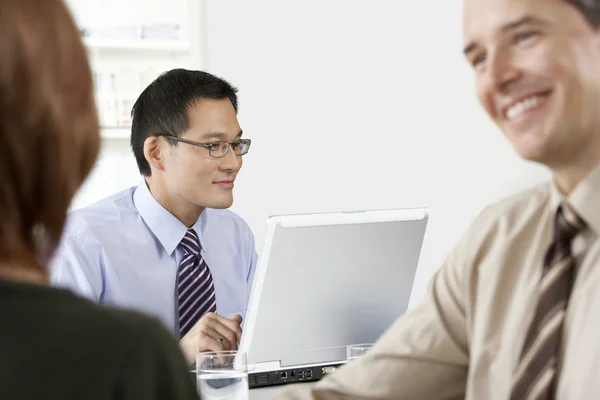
(590, 10)
(49, 129)
(163, 107)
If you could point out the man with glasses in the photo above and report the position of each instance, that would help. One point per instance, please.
(169, 247)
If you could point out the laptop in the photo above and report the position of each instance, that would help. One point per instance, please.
(325, 281)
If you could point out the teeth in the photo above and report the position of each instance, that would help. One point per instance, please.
(524, 105)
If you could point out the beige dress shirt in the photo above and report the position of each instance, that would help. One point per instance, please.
(463, 341)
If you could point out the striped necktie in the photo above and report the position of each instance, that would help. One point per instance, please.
(535, 376)
(195, 289)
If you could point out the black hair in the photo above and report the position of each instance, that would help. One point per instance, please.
(163, 107)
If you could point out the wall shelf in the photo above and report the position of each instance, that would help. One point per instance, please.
(107, 44)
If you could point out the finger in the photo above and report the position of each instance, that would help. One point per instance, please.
(231, 324)
(223, 335)
(226, 333)
(209, 341)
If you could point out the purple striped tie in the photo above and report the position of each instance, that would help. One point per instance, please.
(195, 289)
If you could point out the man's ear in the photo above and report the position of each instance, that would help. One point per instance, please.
(154, 151)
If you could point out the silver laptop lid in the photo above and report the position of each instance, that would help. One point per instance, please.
(328, 280)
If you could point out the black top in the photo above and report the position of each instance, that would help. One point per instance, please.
(55, 345)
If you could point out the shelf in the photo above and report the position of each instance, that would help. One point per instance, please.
(174, 46)
(115, 132)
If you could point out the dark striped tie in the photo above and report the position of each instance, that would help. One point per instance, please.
(195, 289)
(535, 376)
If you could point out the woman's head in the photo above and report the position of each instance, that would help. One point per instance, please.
(49, 132)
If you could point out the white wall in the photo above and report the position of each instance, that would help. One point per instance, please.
(355, 105)
(358, 105)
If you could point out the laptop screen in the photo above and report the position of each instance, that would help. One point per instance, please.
(323, 283)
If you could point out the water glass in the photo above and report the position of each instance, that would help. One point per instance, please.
(355, 351)
(222, 375)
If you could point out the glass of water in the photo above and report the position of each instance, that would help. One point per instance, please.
(222, 375)
(355, 351)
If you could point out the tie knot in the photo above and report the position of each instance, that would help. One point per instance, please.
(567, 225)
(190, 243)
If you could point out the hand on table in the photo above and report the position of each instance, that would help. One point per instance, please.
(212, 333)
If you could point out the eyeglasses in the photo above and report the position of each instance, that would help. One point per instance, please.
(219, 149)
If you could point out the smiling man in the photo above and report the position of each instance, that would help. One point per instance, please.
(513, 312)
(169, 247)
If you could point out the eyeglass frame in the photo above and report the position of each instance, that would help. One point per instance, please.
(208, 145)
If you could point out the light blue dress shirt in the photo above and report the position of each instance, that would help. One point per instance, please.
(124, 251)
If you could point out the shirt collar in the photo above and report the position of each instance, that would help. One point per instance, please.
(585, 199)
(165, 226)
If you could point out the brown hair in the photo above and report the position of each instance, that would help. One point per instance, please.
(590, 10)
(49, 132)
